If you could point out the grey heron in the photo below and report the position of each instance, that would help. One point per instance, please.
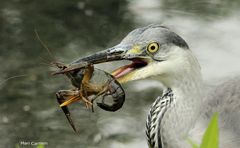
(183, 110)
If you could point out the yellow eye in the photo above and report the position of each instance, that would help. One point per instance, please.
(153, 47)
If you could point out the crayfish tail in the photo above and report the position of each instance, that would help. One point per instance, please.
(111, 108)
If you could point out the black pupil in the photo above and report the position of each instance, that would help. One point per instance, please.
(153, 47)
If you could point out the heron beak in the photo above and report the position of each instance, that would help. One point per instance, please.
(117, 53)
(111, 54)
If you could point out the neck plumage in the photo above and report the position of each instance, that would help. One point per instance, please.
(155, 116)
(174, 113)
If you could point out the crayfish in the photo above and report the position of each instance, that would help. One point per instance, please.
(89, 84)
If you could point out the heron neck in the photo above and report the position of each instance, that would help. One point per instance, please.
(177, 117)
(183, 112)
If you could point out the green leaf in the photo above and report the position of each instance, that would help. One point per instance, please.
(17, 146)
(211, 135)
(193, 144)
(40, 146)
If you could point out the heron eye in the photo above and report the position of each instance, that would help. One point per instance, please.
(153, 47)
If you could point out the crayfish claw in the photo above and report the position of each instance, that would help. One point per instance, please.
(68, 115)
(66, 111)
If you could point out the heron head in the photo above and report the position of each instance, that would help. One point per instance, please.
(155, 51)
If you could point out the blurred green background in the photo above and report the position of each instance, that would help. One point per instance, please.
(76, 28)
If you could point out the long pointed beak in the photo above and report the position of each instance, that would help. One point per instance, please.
(116, 53)
(111, 54)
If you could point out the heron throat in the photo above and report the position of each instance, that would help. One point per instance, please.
(173, 114)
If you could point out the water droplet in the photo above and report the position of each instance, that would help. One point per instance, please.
(5, 119)
(81, 5)
(26, 108)
(88, 12)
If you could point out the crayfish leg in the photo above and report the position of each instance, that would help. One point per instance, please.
(88, 104)
(88, 73)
